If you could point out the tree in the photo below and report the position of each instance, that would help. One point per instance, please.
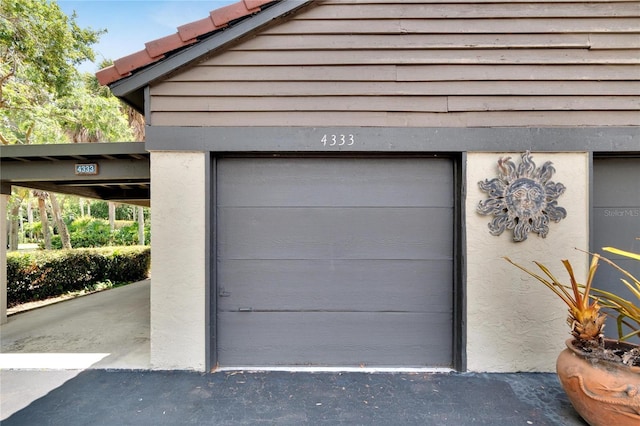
(87, 115)
(134, 118)
(42, 43)
(43, 98)
(112, 215)
(44, 219)
(14, 209)
(57, 217)
(141, 225)
(39, 49)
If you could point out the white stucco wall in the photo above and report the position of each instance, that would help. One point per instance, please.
(515, 323)
(178, 302)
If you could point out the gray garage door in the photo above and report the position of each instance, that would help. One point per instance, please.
(616, 220)
(335, 262)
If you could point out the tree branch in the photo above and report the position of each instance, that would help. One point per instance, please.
(27, 136)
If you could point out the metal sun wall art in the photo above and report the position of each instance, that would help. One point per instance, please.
(522, 198)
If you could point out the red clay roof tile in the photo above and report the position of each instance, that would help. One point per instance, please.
(187, 34)
(226, 14)
(197, 28)
(134, 61)
(160, 46)
(109, 75)
(255, 4)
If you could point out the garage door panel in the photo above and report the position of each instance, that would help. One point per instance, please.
(335, 233)
(346, 182)
(616, 182)
(616, 222)
(334, 261)
(335, 339)
(337, 285)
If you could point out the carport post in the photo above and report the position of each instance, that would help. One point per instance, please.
(4, 199)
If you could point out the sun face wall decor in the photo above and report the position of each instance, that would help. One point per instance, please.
(522, 198)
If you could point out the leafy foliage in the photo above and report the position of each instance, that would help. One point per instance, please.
(128, 264)
(41, 45)
(43, 274)
(127, 234)
(88, 232)
(100, 209)
(88, 116)
(91, 232)
(43, 98)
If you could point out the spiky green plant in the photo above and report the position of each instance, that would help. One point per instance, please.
(626, 311)
(585, 320)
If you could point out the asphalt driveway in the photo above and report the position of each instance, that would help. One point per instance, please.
(119, 397)
(86, 361)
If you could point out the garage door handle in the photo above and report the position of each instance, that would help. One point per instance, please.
(245, 309)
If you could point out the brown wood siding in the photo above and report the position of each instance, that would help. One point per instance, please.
(423, 63)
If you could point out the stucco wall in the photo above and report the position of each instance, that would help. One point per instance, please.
(178, 301)
(515, 323)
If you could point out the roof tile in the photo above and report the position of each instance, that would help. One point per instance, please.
(187, 34)
(108, 75)
(226, 14)
(134, 61)
(160, 46)
(196, 28)
(255, 4)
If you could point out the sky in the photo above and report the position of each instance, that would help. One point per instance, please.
(132, 23)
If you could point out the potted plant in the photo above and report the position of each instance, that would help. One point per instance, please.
(600, 376)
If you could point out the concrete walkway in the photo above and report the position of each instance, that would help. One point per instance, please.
(109, 329)
(85, 362)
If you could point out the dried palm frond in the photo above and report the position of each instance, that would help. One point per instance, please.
(585, 320)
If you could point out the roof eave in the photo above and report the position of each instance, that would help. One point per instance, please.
(73, 149)
(131, 89)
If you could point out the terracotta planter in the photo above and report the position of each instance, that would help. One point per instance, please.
(604, 393)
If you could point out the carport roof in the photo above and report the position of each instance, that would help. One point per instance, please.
(121, 174)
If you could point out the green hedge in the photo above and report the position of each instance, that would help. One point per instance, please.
(42, 274)
(89, 232)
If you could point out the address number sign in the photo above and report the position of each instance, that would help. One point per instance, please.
(86, 169)
(337, 140)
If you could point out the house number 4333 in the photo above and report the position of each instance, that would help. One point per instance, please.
(86, 169)
(337, 140)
